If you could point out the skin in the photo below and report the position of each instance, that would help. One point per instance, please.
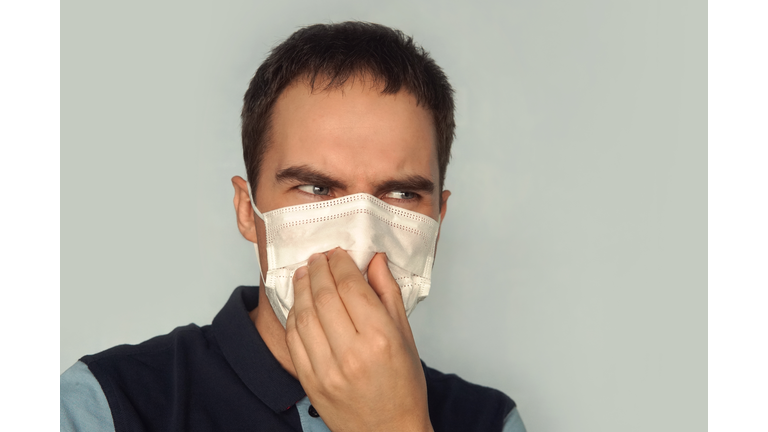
(346, 340)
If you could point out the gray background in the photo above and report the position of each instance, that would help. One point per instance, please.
(571, 271)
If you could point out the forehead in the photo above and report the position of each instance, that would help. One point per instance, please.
(353, 131)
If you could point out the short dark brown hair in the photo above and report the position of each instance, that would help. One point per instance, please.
(327, 55)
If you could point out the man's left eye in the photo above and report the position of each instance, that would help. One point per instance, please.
(401, 195)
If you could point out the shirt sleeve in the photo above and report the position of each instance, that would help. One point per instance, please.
(513, 422)
(84, 407)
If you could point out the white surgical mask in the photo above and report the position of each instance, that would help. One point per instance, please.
(362, 225)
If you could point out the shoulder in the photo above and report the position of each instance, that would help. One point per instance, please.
(188, 335)
(139, 380)
(149, 363)
(155, 354)
(455, 404)
(83, 405)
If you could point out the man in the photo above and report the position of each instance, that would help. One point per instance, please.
(347, 130)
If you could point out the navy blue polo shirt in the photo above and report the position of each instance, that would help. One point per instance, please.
(223, 377)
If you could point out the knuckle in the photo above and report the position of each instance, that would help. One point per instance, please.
(324, 297)
(333, 382)
(292, 336)
(346, 285)
(304, 319)
(351, 364)
(380, 343)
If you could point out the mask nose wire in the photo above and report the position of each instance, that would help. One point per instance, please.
(255, 245)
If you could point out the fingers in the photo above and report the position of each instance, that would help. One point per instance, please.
(299, 356)
(382, 282)
(361, 302)
(305, 324)
(329, 307)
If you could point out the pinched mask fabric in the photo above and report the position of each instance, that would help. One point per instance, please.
(361, 224)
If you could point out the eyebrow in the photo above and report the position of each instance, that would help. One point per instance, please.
(412, 183)
(307, 175)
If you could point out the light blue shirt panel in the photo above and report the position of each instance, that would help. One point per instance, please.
(309, 423)
(84, 407)
(513, 422)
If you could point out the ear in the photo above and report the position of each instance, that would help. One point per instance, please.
(443, 209)
(243, 210)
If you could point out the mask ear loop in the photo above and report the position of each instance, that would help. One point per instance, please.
(255, 245)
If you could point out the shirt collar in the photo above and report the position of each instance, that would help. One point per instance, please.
(249, 356)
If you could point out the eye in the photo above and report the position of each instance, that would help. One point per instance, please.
(315, 190)
(401, 195)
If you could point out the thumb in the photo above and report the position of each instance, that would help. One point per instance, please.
(382, 282)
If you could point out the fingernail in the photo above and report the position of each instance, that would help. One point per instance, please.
(330, 252)
(313, 257)
(300, 273)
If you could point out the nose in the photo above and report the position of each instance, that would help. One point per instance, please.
(361, 185)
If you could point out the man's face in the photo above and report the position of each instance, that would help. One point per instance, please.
(329, 144)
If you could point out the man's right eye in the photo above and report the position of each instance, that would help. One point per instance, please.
(315, 190)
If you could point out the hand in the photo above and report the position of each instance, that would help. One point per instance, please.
(353, 348)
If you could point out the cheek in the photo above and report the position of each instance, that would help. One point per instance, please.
(429, 207)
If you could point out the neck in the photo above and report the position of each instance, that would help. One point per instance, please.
(272, 332)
